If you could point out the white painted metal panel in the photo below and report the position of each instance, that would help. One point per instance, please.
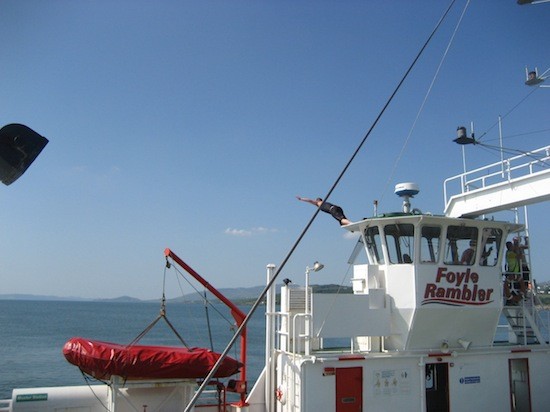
(345, 315)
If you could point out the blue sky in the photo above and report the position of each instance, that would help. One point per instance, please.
(193, 125)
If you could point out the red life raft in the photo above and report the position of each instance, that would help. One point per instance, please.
(104, 359)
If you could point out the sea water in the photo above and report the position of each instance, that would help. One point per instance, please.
(33, 334)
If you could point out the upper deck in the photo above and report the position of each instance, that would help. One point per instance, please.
(517, 181)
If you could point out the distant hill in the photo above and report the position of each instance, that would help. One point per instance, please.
(119, 299)
(229, 293)
(234, 294)
(21, 296)
(252, 293)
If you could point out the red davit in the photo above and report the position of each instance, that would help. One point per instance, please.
(104, 359)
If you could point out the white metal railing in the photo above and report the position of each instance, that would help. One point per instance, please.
(542, 322)
(293, 333)
(5, 405)
(505, 170)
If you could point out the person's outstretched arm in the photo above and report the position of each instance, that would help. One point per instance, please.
(307, 200)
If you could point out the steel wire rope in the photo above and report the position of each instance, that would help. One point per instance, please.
(512, 136)
(197, 330)
(208, 322)
(420, 110)
(333, 302)
(515, 152)
(162, 315)
(306, 228)
(199, 293)
(503, 149)
(507, 113)
(510, 151)
(206, 302)
(88, 379)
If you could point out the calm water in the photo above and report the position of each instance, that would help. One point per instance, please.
(34, 332)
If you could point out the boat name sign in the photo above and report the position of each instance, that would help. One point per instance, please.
(457, 288)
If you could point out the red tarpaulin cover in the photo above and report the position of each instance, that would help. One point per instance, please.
(103, 359)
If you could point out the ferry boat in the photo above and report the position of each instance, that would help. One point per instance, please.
(435, 323)
(422, 330)
(423, 322)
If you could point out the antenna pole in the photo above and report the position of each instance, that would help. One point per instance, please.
(500, 141)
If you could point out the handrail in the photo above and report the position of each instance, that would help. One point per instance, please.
(506, 169)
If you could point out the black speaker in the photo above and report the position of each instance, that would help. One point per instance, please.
(19, 146)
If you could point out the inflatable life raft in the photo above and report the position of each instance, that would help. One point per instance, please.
(104, 359)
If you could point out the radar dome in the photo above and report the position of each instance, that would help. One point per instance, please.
(406, 189)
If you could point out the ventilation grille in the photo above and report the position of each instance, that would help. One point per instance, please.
(297, 300)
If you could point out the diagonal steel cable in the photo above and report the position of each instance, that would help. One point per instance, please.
(304, 231)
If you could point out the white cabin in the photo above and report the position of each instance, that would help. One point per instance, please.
(428, 326)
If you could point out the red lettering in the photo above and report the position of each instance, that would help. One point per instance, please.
(451, 277)
(430, 290)
(453, 293)
(440, 274)
(466, 293)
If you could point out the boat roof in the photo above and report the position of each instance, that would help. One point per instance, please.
(360, 226)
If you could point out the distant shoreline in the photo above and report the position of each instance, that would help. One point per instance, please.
(237, 295)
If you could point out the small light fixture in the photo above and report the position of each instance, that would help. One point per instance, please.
(462, 137)
(444, 347)
(464, 343)
(317, 266)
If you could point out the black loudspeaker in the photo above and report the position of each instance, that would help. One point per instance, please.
(19, 146)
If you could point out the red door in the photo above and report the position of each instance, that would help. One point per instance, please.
(349, 389)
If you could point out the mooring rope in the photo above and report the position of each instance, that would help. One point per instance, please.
(215, 368)
(421, 109)
(208, 322)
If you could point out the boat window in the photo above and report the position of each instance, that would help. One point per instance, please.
(374, 245)
(491, 240)
(429, 244)
(400, 242)
(461, 245)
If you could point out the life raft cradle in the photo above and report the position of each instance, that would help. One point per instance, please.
(238, 386)
(162, 315)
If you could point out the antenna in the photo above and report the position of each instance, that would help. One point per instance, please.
(406, 191)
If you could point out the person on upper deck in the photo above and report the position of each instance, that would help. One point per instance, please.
(512, 261)
(519, 250)
(514, 288)
(335, 211)
(469, 255)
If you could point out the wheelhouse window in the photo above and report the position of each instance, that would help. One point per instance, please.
(430, 241)
(400, 242)
(461, 245)
(491, 240)
(374, 245)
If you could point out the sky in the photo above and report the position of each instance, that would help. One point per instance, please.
(194, 124)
